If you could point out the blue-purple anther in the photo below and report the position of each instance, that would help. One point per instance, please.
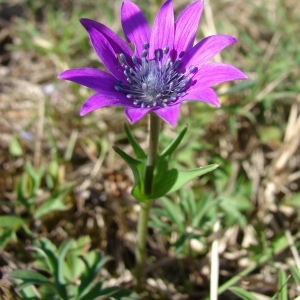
(155, 82)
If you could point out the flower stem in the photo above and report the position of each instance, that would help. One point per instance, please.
(153, 143)
(142, 226)
(140, 251)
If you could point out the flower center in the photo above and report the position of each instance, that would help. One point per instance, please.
(152, 83)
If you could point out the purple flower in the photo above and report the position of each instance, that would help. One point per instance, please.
(165, 68)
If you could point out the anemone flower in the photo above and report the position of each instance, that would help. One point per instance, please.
(164, 69)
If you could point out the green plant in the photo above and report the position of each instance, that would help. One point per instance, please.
(187, 216)
(30, 184)
(69, 272)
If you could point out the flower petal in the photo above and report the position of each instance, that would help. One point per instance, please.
(106, 53)
(136, 113)
(162, 34)
(116, 42)
(169, 114)
(186, 26)
(206, 49)
(214, 73)
(106, 98)
(135, 26)
(207, 95)
(94, 79)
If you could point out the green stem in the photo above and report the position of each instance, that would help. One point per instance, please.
(152, 153)
(140, 251)
(142, 226)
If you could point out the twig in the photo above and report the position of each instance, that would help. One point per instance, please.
(214, 275)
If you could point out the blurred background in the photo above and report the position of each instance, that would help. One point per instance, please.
(60, 178)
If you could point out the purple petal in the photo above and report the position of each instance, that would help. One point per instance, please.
(117, 43)
(94, 79)
(214, 73)
(136, 113)
(106, 53)
(162, 34)
(135, 26)
(169, 114)
(207, 95)
(206, 50)
(186, 26)
(107, 98)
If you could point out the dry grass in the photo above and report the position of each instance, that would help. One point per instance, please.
(262, 145)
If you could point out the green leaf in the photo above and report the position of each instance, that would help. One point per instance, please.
(14, 146)
(172, 180)
(137, 167)
(91, 272)
(53, 169)
(28, 185)
(172, 147)
(174, 213)
(139, 152)
(9, 225)
(239, 87)
(62, 251)
(296, 274)
(55, 263)
(282, 286)
(243, 294)
(75, 263)
(25, 191)
(207, 204)
(36, 175)
(48, 250)
(233, 207)
(270, 134)
(11, 222)
(26, 292)
(165, 181)
(129, 159)
(294, 201)
(29, 277)
(188, 202)
(124, 295)
(160, 225)
(56, 203)
(179, 244)
(169, 181)
(97, 291)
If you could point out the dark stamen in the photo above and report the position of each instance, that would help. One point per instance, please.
(155, 82)
(144, 53)
(181, 54)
